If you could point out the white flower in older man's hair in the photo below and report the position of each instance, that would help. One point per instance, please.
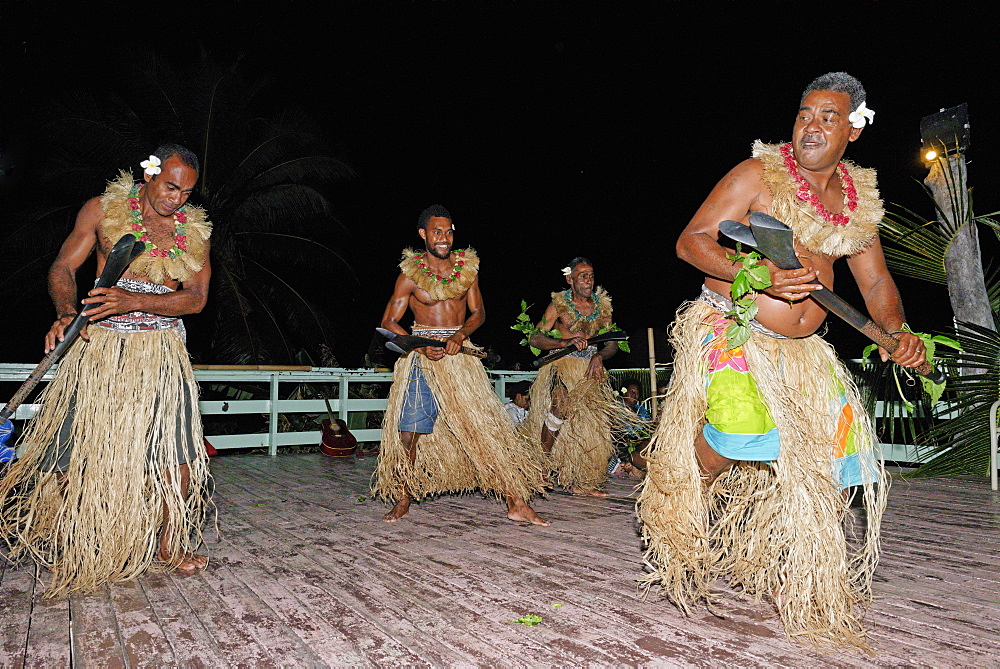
(151, 166)
(858, 116)
(566, 271)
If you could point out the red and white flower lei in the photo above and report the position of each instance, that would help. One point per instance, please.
(456, 271)
(180, 228)
(805, 193)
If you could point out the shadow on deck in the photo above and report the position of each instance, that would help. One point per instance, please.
(305, 574)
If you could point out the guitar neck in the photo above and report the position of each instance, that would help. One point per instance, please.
(329, 410)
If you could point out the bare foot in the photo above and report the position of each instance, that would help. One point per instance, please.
(190, 563)
(593, 492)
(398, 511)
(521, 512)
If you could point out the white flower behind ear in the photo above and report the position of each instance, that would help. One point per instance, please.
(859, 115)
(151, 166)
(566, 271)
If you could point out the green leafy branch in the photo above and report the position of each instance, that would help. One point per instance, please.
(526, 326)
(613, 327)
(933, 390)
(751, 278)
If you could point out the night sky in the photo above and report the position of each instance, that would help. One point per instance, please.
(549, 130)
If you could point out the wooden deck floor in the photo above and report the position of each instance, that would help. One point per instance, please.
(304, 574)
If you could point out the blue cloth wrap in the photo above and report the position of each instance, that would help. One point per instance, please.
(6, 452)
(419, 412)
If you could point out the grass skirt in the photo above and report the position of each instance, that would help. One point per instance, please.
(99, 521)
(783, 531)
(473, 445)
(592, 419)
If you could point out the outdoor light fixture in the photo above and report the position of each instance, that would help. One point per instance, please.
(946, 132)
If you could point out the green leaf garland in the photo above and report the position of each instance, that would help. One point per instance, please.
(933, 390)
(751, 278)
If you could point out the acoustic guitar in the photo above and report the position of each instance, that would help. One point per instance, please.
(335, 444)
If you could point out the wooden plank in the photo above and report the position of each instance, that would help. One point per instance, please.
(370, 596)
(49, 635)
(189, 641)
(16, 589)
(242, 627)
(305, 574)
(142, 639)
(354, 595)
(577, 652)
(95, 635)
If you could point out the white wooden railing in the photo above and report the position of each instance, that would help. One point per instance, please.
(273, 406)
(342, 404)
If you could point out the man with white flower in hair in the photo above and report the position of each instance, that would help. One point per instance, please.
(574, 413)
(113, 476)
(761, 440)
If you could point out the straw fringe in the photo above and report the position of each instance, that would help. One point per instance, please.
(783, 532)
(99, 522)
(810, 229)
(593, 419)
(473, 445)
(575, 322)
(118, 222)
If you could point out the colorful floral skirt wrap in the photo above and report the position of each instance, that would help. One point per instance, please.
(777, 524)
(739, 425)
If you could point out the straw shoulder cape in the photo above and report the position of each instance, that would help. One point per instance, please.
(577, 322)
(810, 229)
(441, 288)
(118, 222)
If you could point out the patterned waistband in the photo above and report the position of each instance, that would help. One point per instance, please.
(141, 321)
(722, 304)
(585, 353)
(433, 332)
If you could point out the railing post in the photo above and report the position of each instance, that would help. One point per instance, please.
(345, 391)
(993, 444)
(272, 422)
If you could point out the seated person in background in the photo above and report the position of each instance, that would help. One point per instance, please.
(520, 401)
(661, 393)
(627, 459)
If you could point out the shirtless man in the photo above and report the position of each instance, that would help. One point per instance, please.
(779, 412)
(442, 398)
(82, 440)
(820, 136)
(572, 408)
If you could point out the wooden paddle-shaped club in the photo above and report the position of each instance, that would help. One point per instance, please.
(773, 239)
(406, 343)
(617, 335)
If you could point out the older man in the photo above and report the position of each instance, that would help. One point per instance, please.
(574, 413)
(774, 426)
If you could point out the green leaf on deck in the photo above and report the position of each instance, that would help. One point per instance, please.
(530, 620)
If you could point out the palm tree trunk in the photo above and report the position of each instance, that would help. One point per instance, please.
(963, 260)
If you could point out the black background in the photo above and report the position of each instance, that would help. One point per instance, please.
(549, 129)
